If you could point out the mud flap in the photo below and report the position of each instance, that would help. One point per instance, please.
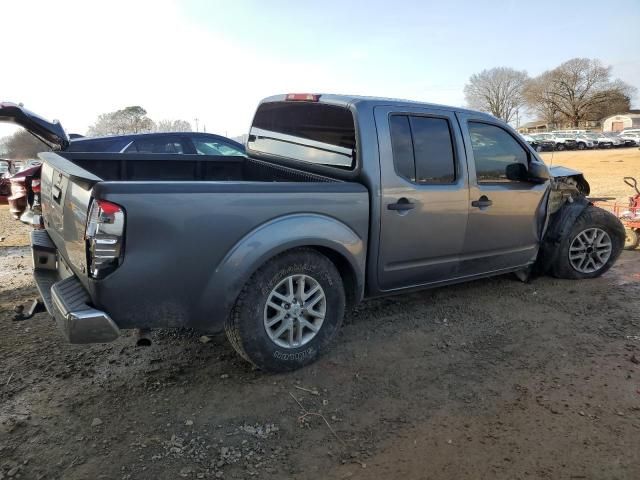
(559, 225)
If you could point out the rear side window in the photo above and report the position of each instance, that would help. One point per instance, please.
(402, 145)
(494, 149)
(310, 132)
(423, 149)
(156, 145)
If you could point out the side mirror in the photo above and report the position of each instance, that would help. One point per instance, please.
(517, 172)
(538, 172)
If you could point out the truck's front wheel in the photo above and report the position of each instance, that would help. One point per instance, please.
(288, 312)
(591, 247)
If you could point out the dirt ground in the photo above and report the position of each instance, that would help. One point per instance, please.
(494, 379)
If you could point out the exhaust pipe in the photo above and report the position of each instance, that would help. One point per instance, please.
(143, 337)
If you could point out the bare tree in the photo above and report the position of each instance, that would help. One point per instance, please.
(498, 91)
(577, 90)
(173, 126)
(128, 120)
(539, 98)
(23, 146)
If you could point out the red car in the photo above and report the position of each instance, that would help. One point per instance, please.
(5, 185)
(25, 193)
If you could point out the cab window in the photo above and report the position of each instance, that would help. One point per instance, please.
(494, 149)
(423, 149)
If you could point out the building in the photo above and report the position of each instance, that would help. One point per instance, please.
(541, 126)
(534, 127)
(617, 123)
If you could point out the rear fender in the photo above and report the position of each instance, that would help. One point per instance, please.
(265, 242)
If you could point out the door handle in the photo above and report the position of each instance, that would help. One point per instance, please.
(482, 202)
(402, 204)
(57, 192)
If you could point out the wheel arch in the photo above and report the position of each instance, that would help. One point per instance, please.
(560, 225)
(327, 235)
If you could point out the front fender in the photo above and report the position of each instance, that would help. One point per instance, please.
(560, 226)
(267, 241)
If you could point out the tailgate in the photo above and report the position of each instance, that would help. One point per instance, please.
(66, 196)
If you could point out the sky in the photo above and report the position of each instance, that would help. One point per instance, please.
(214, 60)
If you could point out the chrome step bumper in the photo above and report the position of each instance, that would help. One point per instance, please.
(66, 299)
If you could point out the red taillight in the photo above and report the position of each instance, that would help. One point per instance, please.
(303, 97)
(105, 237)
(108, 208)
(35, 185)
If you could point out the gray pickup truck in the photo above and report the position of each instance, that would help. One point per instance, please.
(339, 198)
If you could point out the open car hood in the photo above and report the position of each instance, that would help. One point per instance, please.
(50, 132)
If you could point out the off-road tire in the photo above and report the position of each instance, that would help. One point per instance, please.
(631, 239)
(591, 217)
(245, 327)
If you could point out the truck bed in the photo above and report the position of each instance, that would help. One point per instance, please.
(178, 167)
(189, 224)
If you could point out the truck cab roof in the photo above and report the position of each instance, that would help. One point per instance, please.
(368, 101)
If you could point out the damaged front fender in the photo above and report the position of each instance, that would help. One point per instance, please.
(559, 226)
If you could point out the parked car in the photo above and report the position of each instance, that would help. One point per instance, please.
(24, 202)
(188, 143)
(630, 139)
(535, 144)
(573, 135)
(274, 246)
(5, 185)
(584, 141)
(615, 139)
(557, 142)
(571, 131)
(545, 144)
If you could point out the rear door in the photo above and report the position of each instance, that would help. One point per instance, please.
(424, 202)
(505, 215)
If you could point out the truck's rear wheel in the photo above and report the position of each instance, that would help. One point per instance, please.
(591, 247)
(288, 312)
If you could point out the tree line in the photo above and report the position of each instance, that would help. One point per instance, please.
(133, 119)
(578, 90)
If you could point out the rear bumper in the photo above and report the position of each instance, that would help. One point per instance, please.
(66, 298)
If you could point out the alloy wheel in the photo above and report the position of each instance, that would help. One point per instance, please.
(295, 310)
(590, 250)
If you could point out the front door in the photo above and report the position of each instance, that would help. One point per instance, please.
(424, 201)
(505, 215)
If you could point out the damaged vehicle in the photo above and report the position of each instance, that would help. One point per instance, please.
(339, 198)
